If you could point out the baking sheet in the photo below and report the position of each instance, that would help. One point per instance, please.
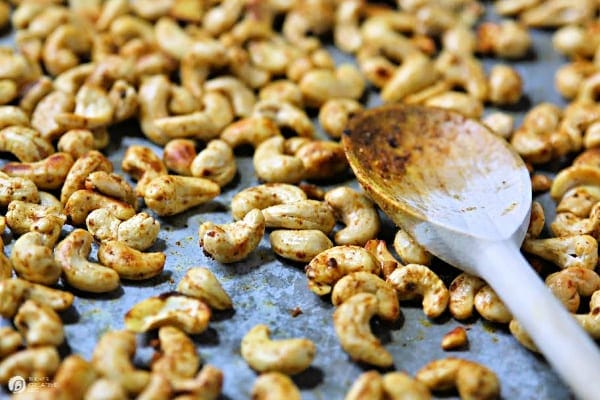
(265, 289)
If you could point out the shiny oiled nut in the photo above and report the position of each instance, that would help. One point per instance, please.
(36, 362)
(571, 283)
(177, 359)
(455, 339)
(462, 290)
(320, 85)
(216, 163)
(388, 307)
(139, 232)
(25, 143)
(472, 380)
(263, 196)
(500, 123)
(39, 324)
(143, 165)
(112, 359)
(463, 71)
(76, 142)
(82, 202)
(461, 102)
(48, 174)
(505, 85)
(368, 385)
(47, 108)
(568, 224)
(13, 116)
(565, 252)
(93, 109)
(130, 263)
(335, 113)
(251, 130)
(491, 307)
(16, 188)
(178, 155)
(240, 95)
(299, 245)
(331, 265)
(22, 216)
(173, 194)
(400, 385)
(13, 292)
(357, 212)
(303, 214)
(351, 324)
(33, 260)
(186, 313)
(112, 185)
(201, 283)
(286, 115)
(507, 39)
(322, 159)
(10, 341)
(288, 356)
(415, 280)
(576, 41)
(271, 164)
(233, 242)
(409, 250)
(72, 254)
(273, 386)
(590, 322)
(82, 167)
(282, 90)
(73, 378)
(413, 75)
(387, 261)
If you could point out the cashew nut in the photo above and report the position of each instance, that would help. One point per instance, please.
(320, 85)
(335, 113)
(177, 359)
(25, 143)
(48, 174)
(93, 109)
(216, 163)
(299, 244)
(263, 196)
(571, 283)
(491, 307)
(139, 232)
(82, 202)
(22, 216)
(32, 259)
(174, 194)
(252, 130)
(112, 185)
(303, 214)
(35, 362)
(462, 295)
(130, 263)
(10, 341)
(233, 242)
(288, 356)
(43, 116)
(368, 385)
(80, 170)
(387, 261)
(186, 313)
(565, 252)
(507, 39)
(273, 386)
(39, 324)
(271, 164)
(455, 339)
(178, 155)
(416, 280)
(13, 292)
(202, 284)
(351, 323)
(73, 378)
(500, 123)
(143, 165)
(104, 388)
(286, 116)
(357, 212)
(241, 96)
(322, 159)
(409, 250)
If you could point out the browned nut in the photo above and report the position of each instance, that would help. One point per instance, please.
(13, 292)
(130, 263)
(455, 339)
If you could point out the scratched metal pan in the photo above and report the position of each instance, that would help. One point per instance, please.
(266, 289)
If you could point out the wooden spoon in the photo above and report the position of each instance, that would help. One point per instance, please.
(465, 195)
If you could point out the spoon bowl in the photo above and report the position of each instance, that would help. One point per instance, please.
(465, 195)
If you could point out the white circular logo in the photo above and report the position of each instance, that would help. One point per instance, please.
(16, 384)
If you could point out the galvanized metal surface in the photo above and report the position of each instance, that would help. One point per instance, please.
(265, 289)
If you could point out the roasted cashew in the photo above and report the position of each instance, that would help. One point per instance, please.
(388, 307)
(43, 116)
(139, 232)
(35, 362)
(455, 339)
(571, 283)
(288, 356)
(415, 280)
(171, 38)
(153, 96)
(316, 17)
(174, 194)
(591, 321)
(491, 307)
(351, 324)
(83, 166)
(569, 77)
(507, 39)
(415, 73)
(357, 212)
(282, 91)
(10, 341)
(500, 123)
(16, 188)
(462, 295)
(461, 102)
(186, 313)
(8, 91)
(322, 159)
(368, 385)
(130, 263)
(216, 163)
(286, 116)
(409, 250)
(47, 174)
(64, 46)
(505, 85)
(76, 142)
(202, 284)
(387, 261)
(299, 244)
(472, 380)
(143, 165)
(196, 62)
(335, 113)
(103, 388)
(72, 254)
(178, 155)
(537, 221)
(13, 292)
(32, 259)
(73, 378)
(22, 216)
(565, 252)
(459, 39)
(329, 266)
(82, 202)
(39, 324)
(71, 80)
(252, 130)
(198, 125)
(112, 359)
(112, 185)
(303, 214)
(320, 85)
(13, 116)
(575, 41)
(233, 242)
(25, 143)
(93, 109)
(568, 224)
(263, 196)
(241, 96)
(274, 386)
(177, 359)
(555, 13)
(271, 164)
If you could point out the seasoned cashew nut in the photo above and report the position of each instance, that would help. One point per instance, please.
(139, 232)
(22, 216)
(207, 384)
(282, 91)
(556, 13)
(565, 252)
(463, 289)
(16, 188)
(178, 155)
(507, 39)
(76, 142)
(455, 339)
(271, 164)
(388, 307)
(537, 221)
(416, 280)
(591, 321)
(186, 313)
(112, 185)
(322, 159)
(143, 165)
(472, 380)
(64, 46)
(567, 224)
(505, 85)
(112, 359)
(216, 163)
(43, 116)
(571, 283)
(32, 259)
(263, 196)
(93, 109)
(491, 307)
(233, 242)
(241, 96)
(274, 386)
(130, 263)
(82, 202)
(80, 170)
(39, 324)
(10, 341)
(177, 359)
(72, 254)
(409, 250)
(35, 362)
(288, 356)
(335, 113)
(173, 194)
(25, 143)
(357, 212)
(252, 130)
(399, 385)
(104, 388)
(575, 175)
(331, 265)
(73, 378)
(368, 385)
(500, 123)
(320, 85)
(286, 116)
(302, 214)
(415, 73)
(48, 174)
(13, 292)
(387, 261)
(202, 284)
(299, 244)
(158, 388)
(351, 324)
(13, 116)
(461, 102)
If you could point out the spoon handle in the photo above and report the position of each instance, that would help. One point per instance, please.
(566, 346)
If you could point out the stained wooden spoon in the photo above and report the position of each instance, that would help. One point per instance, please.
(465, 195)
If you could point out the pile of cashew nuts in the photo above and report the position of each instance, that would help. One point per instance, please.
(204, 78)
